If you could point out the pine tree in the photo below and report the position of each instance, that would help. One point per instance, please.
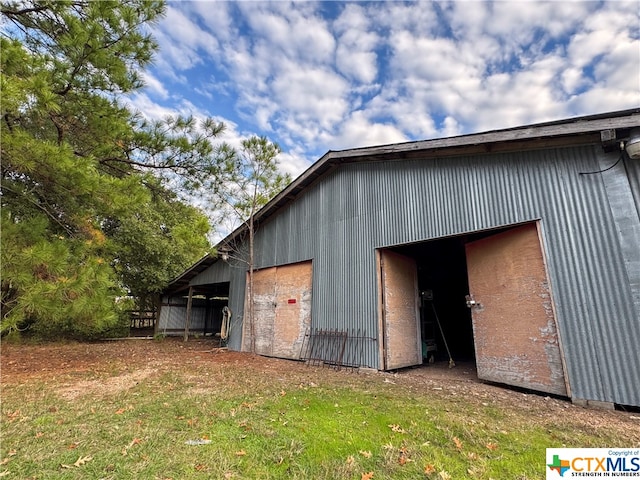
(87, 210)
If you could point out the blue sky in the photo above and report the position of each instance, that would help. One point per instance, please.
(319, 76)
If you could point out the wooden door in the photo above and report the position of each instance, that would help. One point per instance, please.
(514, 327)
(281, 310)
(264, 311)
(293, 309)
(400, 324)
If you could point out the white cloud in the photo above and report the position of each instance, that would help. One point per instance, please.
(291, 28)
(420, 16)
(312, 94)
(215, 16)
(360, 131)
(155, 86)
(182, 42)
(355, 55)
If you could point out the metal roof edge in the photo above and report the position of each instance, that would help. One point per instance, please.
(188, 274)
(557, 128)
(570, 126)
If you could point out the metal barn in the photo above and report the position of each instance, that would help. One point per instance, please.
(517, 249)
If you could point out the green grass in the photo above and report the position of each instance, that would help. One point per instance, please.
(314, 424)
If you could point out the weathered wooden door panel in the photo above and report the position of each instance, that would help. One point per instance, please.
(514, 327)
(264, 312)
(400, 311)
(282, 310)
(293, 309)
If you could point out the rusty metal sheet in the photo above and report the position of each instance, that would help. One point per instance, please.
(401, 326)
(514, 326)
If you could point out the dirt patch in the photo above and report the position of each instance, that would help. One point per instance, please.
(110, 386)
(106, 368)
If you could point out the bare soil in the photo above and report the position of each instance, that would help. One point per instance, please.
(75, 369)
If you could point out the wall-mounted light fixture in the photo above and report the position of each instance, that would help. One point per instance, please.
(223, 252)
(632, 146)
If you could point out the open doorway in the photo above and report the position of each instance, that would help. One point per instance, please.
(482, 297)
(445, 321)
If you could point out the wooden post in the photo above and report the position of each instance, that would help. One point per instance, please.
(188, 319)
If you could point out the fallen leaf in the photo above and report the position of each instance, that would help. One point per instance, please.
(241, 453)
(367, 476)
(365, 454)
(458, 443)
(13, 415)
(5, 461)
(283, 393)
(135, 441)
(81, 461)
(120, 411)
(350, 460)
(402, 460)
(12, 453)
(397, 428)
(200, 467)
(492, 446)
(429, 469)
(39, 434)
(72, 446)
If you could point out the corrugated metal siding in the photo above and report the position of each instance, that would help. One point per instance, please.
(341, 220)
(219, 272)
(173, 315)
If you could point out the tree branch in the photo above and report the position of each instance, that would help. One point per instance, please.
(24, 11)
(47, 212)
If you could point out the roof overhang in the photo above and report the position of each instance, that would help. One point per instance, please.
(182, 282)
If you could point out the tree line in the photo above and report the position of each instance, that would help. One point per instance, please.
(95, 196)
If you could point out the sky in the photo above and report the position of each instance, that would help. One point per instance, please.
(320, 76)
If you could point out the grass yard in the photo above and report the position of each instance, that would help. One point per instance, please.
(169, 410)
